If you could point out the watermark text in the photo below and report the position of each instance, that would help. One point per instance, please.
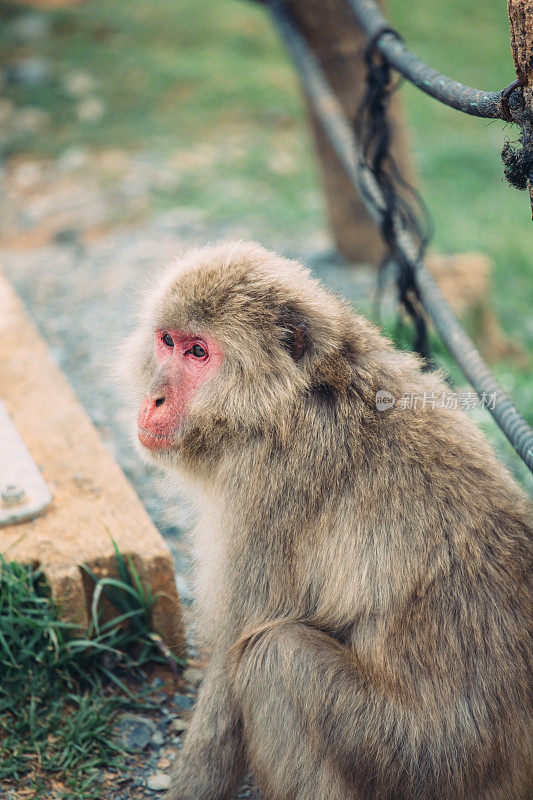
(408, 401)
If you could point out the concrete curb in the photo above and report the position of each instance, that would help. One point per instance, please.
(92, 500)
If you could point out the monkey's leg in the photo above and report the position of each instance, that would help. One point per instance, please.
(293, 684)
(316, 728)
(212, 762)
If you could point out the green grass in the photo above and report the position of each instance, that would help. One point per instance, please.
(166, 70)
(61, 691)
(175, 78)
(208, 84)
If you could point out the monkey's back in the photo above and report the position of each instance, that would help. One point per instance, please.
(436, 570)
(410, 544)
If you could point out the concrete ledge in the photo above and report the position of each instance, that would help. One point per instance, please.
(92, 500)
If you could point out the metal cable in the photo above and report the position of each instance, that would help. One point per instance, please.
(348, 150)
(451, 93)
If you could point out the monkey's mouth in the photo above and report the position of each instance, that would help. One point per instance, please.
(155, 441)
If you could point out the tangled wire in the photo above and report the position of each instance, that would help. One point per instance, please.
(404, 208)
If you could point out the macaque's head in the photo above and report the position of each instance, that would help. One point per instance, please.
(185, 360)
(229, 340)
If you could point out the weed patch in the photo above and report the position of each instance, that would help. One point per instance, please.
(61, 691)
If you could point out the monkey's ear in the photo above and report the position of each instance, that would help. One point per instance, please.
(294, 333)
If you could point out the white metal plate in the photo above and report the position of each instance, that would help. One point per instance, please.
(23, 492)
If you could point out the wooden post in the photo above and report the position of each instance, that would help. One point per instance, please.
(521, 27)
(331, 30)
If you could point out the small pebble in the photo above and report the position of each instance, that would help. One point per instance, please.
(134, 732)
(184, 702)
(30, 71)
(178, 725)
(91, 110)
(163, 763)
(73, 158)
(158, 782)
(77, 84)
(158, 739)
(31, 27)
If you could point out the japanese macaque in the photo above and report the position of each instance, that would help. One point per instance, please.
(362, 562)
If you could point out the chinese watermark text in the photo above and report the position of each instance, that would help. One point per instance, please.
(449, 400)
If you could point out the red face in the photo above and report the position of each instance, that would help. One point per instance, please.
(185, 362)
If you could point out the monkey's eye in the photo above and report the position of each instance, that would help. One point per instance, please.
(198, 351)
(167, 339)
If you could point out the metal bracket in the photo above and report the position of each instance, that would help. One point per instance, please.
(23, 492)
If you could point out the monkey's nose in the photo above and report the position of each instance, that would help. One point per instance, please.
(159, 402)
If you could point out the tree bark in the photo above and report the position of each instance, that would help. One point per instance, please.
(332, 32)
(521, 28)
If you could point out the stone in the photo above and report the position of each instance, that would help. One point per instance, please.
(282, 163)
(27, 175)
(178, 725)
(30, 71)
(134, 732)
(71, 237)
(158, 782)
(91, 110)
(92, 503)
(31, 27)
(184, 702)
(158, 739)
(77, 84)
(73, 158)
(464, 280)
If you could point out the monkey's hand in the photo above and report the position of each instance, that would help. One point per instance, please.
(212, 762)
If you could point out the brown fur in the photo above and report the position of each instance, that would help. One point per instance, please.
(362, 574)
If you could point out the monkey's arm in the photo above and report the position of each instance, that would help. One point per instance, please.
(212, 762)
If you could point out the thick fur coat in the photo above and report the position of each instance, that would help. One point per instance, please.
(362, 573)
